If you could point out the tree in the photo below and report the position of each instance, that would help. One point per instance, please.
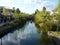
(58, 15)
(13, 9)
(17, 10)
(44, 20)
(58, 6)
(44, 9)
(16, 13)
(36, 11)
(44, 23)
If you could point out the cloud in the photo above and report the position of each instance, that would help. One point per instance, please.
(48, 4)
(28, 6)
(6, 3)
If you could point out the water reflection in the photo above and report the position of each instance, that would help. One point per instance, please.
(24, 36)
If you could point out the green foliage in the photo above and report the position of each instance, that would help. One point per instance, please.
(11, 23)
(16, 15)
(43, 18)
(36, 11)
(17, 11)
(48, 22)
(58, 7)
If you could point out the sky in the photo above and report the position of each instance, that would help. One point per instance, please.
(29, 6)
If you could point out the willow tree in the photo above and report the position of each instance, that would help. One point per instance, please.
(39, 16)
(44, 20)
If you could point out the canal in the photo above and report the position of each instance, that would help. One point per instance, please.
(26, 35)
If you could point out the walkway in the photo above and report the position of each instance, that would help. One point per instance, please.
(55, 37)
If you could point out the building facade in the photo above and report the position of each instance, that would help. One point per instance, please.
(5, 11)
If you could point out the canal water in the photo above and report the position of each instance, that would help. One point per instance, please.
(27, 35)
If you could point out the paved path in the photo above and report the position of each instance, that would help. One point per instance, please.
(55, 38)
